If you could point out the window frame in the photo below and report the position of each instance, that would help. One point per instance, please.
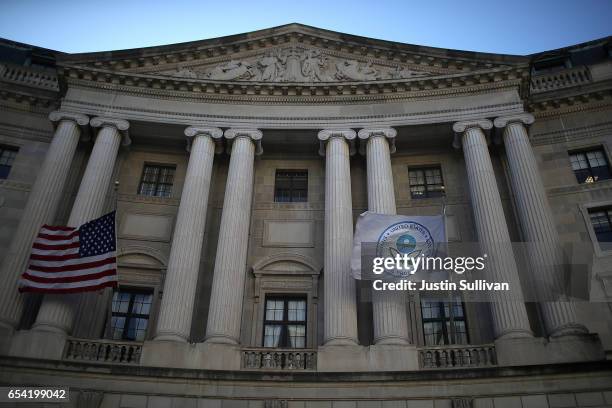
(130, 315)
(292, 188)
(585, 151)
(157, 183)
(585, 210)
(8, 148)
(450, 338)
(284, 342)
(424, 168)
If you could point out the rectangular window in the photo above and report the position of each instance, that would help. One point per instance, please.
(291, 186)
(285, 322)
(601, 220)
(130, 314)
(156, 180)
(443, 320)
(590, 165)
(7, 157)
(426, 182)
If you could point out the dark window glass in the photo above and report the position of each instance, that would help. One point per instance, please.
(7, 157)
(426, 182)
(601, 220)
(285, 322)
(156, 180)
(590, 165)
(130, 314)
(291, 186)
(443, 321)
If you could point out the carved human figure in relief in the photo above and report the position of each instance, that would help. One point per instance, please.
(231, 70)
(293, 66)
(312, 64)
(404, 73)
(271, 65)
(351, 70)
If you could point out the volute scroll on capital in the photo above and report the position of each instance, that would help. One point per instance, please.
(326, 134)
(462, 126)
(78, 118)
(254, 134)
(522, 118)
(366, 133)
(214, 133)
(121, 125)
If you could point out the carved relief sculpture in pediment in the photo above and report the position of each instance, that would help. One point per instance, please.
(296, 64)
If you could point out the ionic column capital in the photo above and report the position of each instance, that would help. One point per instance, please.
(462, 126)
(121, 125)
(214, 133)
(59, 115)
(327, 134)
(388, 133)
(523, 118)
(254, 134)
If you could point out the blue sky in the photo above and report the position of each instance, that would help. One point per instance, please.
(511, 27)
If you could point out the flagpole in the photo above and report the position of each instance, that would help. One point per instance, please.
(109, 306)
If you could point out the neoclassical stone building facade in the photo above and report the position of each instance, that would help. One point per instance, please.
(238, 166)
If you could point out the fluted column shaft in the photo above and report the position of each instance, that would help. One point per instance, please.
(224, 316)
(389, 309)
(40, 209)
(509, 315)
(537, 224)
(340, 313)
(57, 311)
(184, 264)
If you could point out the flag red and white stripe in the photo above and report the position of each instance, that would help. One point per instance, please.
(70, 260)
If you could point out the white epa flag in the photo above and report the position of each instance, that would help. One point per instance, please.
(384, 236)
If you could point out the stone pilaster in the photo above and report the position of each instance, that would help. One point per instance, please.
(57, 311)
(509, 315)
(184, 264)
(537, 224)
(40, 209)
(340, 315)
(225, 310)
(389, 309)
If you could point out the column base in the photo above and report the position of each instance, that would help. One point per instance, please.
(341, 341)
(202, 356)
(221, 340)
(570, 329)
(538, 350)
(170, 337)
(391, 341)
(335, 358)
(40, 344)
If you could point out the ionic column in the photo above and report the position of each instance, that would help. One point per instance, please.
(184, 264)
(389, 310)
(537, 224)
(340, 321)
(57, 311)
(509, 315)
(225, 310)
(40, 209)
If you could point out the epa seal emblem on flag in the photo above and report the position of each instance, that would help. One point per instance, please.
(405, 238)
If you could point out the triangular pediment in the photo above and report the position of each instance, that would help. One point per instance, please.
(293, 54)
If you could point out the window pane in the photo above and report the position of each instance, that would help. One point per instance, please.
(433, 334)
(297, 310)
(157, 180)
(426, 182)
(291, 186)
(297, 336)
(117, 325)
(272, 335)
(274, 310)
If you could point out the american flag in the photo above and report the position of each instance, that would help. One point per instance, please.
(69, 260)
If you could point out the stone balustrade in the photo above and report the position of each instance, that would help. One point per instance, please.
(561, 79)
(30, 76)
(279, 359)
(103, 351)
(457, 356)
